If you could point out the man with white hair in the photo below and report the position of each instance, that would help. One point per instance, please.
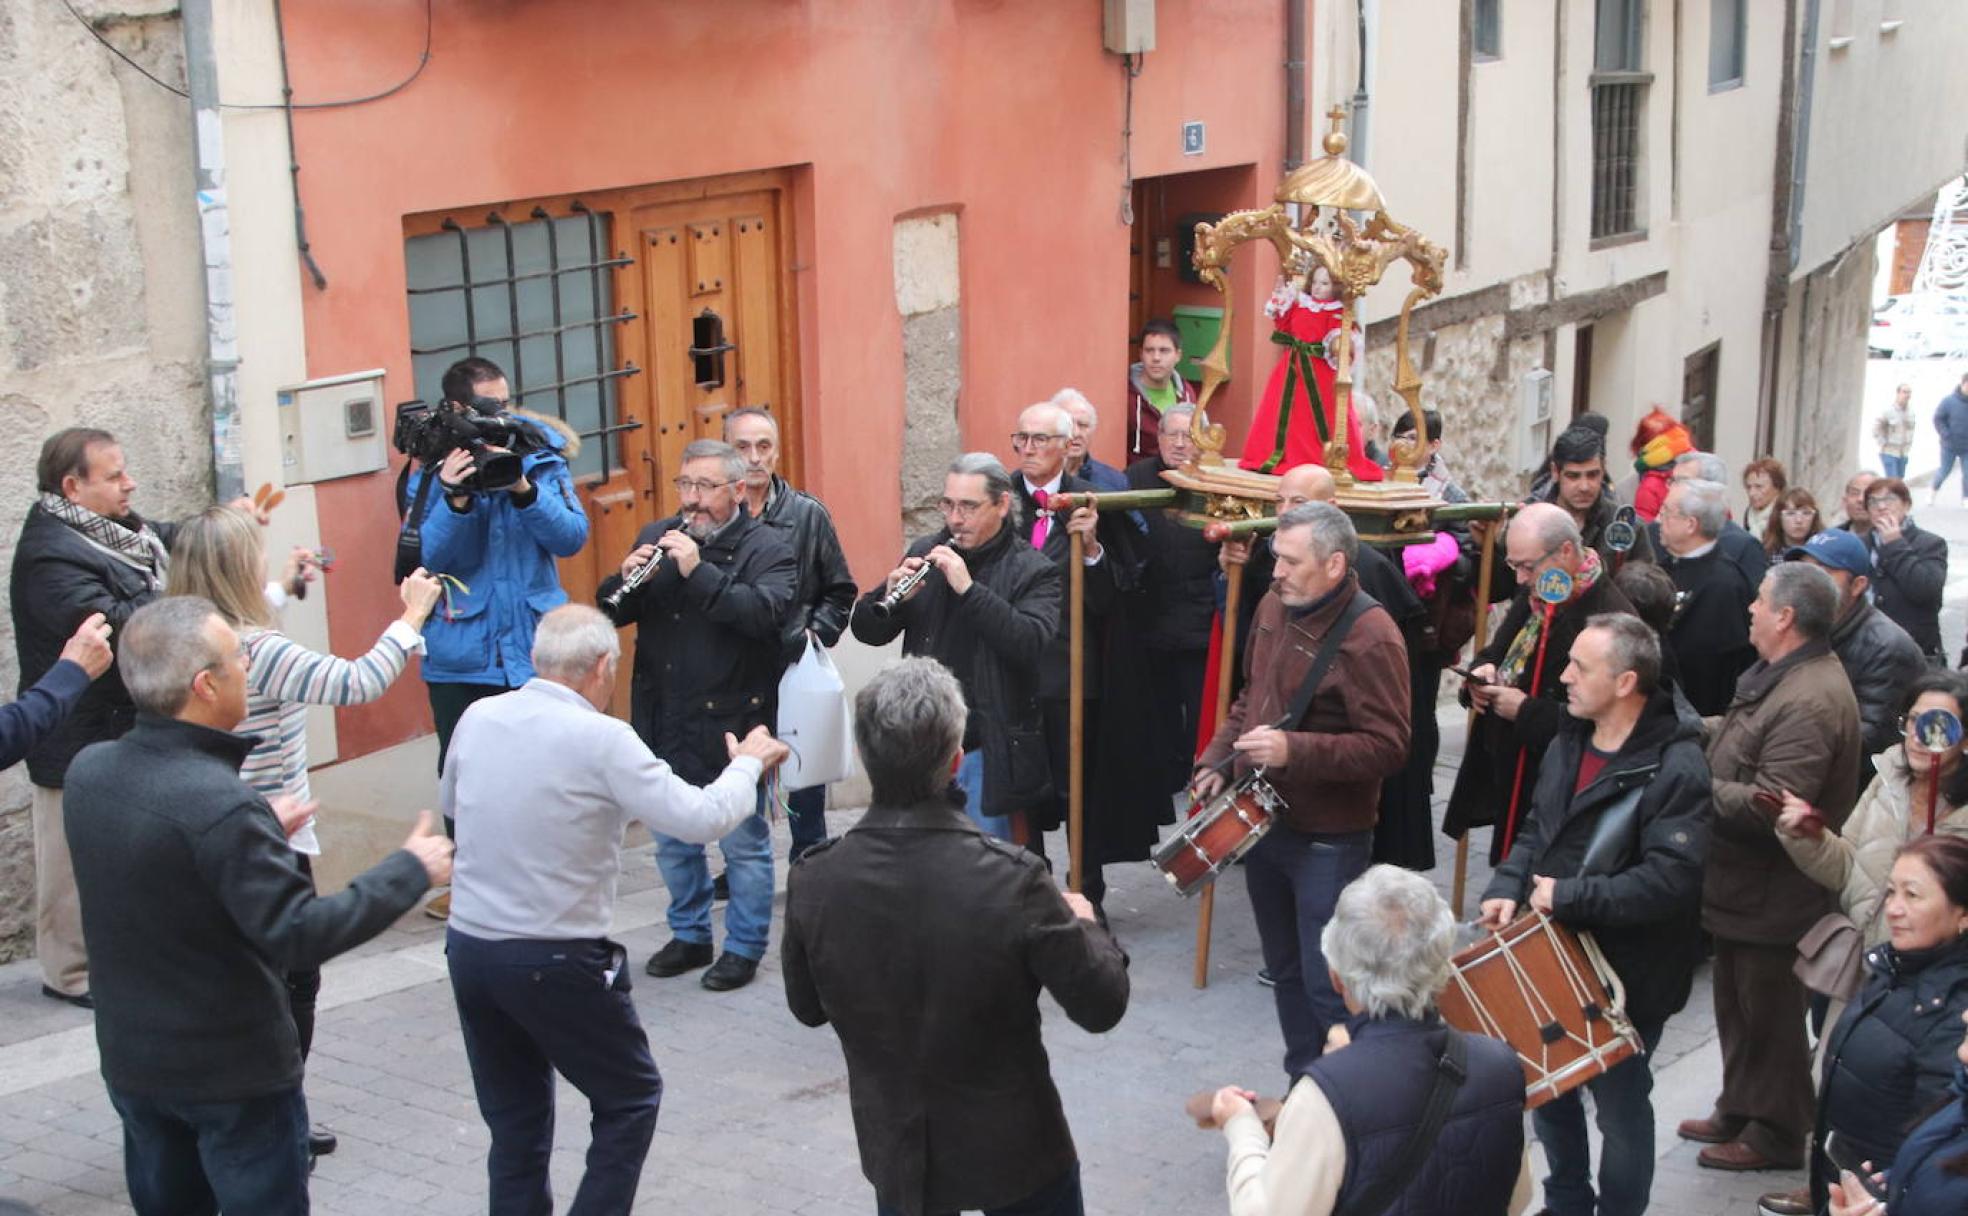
(1361, 1129)
(1736, 543)
(709, 635)
(541, 783)
(1710, 634)
(1080, 460)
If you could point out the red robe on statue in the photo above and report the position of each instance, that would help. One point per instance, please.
(1277, 443)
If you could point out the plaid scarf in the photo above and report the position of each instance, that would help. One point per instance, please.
(1524, 646)
(134, 543)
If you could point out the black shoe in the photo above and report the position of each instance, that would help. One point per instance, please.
(720, 890)
(730, 971)
(81, 1000)
(321, 1142)
(677, 958)
(1264, 978)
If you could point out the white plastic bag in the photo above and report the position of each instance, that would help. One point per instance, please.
(814, 720)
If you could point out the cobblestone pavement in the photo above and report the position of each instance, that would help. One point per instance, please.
(755, 1116)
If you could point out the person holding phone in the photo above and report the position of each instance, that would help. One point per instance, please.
(1909, 566)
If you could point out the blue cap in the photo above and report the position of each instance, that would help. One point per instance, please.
(1835, 549)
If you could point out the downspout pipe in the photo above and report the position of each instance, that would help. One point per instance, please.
(1294, 84)
(1362, 86)
(215, 246)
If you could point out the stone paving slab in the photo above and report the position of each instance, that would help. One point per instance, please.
(755, 1116)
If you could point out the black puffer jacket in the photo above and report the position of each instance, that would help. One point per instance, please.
(826, 590)
(1882, 662)
(58, 580)
(1178, 579)
(1627, 851)
(1892, 1054)
(1908, 577)
(992, 638)
(707, 655)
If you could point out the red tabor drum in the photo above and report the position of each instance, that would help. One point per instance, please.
(1217, 834)
(1547, 992)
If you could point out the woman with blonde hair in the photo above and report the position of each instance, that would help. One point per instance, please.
(218, 554)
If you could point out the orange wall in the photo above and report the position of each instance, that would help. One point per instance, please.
(1007, 110)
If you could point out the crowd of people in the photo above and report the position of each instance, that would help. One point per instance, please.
(1699, 731)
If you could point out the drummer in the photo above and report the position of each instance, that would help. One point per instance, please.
(1614, 842)
(1325, 745)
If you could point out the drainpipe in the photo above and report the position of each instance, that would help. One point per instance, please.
(215, 243)
(1294, 84)
(1364, 16)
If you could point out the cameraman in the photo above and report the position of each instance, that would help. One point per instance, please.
(500, 545)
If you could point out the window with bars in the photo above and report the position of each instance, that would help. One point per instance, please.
(535, 296)
(1619, 103)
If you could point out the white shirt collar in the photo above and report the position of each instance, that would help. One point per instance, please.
(1050, 487)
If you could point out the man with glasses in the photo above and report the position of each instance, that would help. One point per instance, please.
(1710, 634)
(986, 612)
(499, 550)
(1909, 566)
(1515, 681)
(709, 631)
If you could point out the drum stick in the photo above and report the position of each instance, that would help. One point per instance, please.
(1484, 570)
(1225, 670)
(1076, 713)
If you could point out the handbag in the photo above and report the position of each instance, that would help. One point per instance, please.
(814, 720)
(1831, 957)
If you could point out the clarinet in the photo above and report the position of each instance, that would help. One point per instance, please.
(635, 578)
(885, 607)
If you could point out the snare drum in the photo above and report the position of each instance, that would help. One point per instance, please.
(1215, 836)
(1548, 993)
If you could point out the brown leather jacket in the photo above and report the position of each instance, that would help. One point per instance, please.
(1356, 732)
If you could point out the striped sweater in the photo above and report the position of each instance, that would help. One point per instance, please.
(283, 678)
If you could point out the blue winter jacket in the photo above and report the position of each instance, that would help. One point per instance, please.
(1922, 1183)
(504, 552)
(1951, 420)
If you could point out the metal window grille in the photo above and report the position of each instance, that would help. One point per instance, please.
(536, 297)
(1618, 106)
(1486, 33)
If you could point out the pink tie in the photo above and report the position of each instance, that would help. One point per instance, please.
(1039, 528)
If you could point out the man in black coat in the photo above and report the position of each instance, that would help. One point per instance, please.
(1909, 566)
(1880, 660)
(709, 636)
(986, 612)
(826, 591)
(1710, 634)
(1614, 843)
(82, 551)
(195, 909)
(1733, 541)
(952, 1095)
(1575, 478)
(1561, 583)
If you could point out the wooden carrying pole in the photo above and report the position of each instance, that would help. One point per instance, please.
(1226, 669)
(1477, 642)
(1076, 711)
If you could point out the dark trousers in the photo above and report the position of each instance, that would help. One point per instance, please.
(806, 818)
(1766, 1058)
(304, 987)
(1058, 733)
(1622, 1102)
(448, 704)
(1174, 714)
(1294, 879)
(198, 1158)
(529, 1009)
(1060, 1198)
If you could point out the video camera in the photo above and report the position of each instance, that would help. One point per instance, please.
(427, 435)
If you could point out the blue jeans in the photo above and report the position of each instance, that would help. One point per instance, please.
(806, 817)
(747, 851)
(1061, 1198)
(528, 1009)
(970, 779)
(196, 1158)
(1624, 1109)
(1294, 879)
(1948, 457)
(1895, 466)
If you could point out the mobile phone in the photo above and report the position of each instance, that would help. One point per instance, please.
(1466, 674)
(1846, 1156)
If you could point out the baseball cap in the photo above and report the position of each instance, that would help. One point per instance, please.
(1835, 549)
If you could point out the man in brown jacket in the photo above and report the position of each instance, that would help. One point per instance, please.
(1793, 727)
(1327, 763)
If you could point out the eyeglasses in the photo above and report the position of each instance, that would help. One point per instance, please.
(686, 485)
(962, 508)
(1533, 564)
(1020, 440)
(1176, 437)
(1888, 500)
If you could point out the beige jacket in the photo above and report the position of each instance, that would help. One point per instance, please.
(1856, 861)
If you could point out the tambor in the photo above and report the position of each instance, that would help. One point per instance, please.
(1548, 993)
(1217, 835)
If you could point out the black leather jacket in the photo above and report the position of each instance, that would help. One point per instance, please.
(58, 580)
(1882, 661)
(826, 591)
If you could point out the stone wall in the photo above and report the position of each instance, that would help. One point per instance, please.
(928, 295)
(101, 307)
(1828, 371)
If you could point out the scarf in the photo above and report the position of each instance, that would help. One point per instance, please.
(1524, 645)
(135, 544)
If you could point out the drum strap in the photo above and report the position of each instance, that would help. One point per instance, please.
(1323, 661)
(1451, 1069)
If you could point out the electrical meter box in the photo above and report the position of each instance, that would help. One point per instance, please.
(332, 428)
(1534, 422)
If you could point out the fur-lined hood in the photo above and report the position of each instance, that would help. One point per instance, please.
(558, 435)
